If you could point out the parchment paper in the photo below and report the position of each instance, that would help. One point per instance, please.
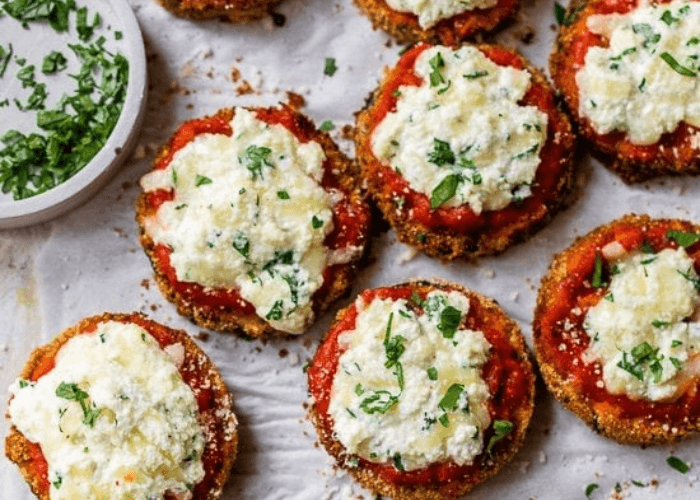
(90, 261)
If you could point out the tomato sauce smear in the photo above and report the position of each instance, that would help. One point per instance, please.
(351, 220)
(675, 148)
(510, 384)
(575, 296)
(462, 219)
(195, 379)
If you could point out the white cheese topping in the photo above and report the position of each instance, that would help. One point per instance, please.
(249, 213)
(461, 136)
(430, 12)
(114, 419)
(645, 83)
(427, 405)
(640, 331)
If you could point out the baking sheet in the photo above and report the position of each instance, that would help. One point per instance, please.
(89, 261)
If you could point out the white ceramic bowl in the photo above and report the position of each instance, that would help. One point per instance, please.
(118, 16)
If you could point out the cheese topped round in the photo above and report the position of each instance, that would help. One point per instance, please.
(646, 81)
(408, 389)
(114, 418)
(461, 137)
(641, 331)
(248, 213)
(430, 12)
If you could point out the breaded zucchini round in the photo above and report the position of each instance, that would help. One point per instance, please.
(119, 406)
(464, 150)
(628, 72)
(235, 11)
(253, 220)
(439, 21)
(616, 329)
(422, 391)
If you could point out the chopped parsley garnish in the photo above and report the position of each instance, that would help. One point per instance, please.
(527, 153)
(326, 126)
(450, 318)
(394, 348)
(668, 18)
(675, 362)
(642, 354)
(597, 280)
(444, 191)
(432, 373)
(675, 66)
(241, 244)
(693, 41)
(451, 397)
(561, 15)
(54, 62)
(72, 392)
(275, 312)
(642, 84)
(54, 11)
(647, 32)
(330, 67)
(283, 195)
(397, 462)
(352, 413)
(316, 222)
(501, 428)
(254, 158)
(625, 52)
(590, 489)
(5, 56)
(201, 180)
(683, 238)
(437, 64)
(85, 29)
(284, 257)
(678, 464)
(58, 482)
(676, 343)
(441, 154)
(378, 402)
(475, 74)
(118, 35)
(657, 323)
(694, 281)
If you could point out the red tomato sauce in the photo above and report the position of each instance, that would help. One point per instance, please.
(462, 219)
(194, 378)
(673, 147)
(350, 219)
(509, 384)
(575, 293)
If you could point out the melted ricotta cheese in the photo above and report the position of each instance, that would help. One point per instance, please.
(640, 331)
(432, 408)
(431, 12)
(645, 83)
(462, 137)
(249, 213)
(114, 418)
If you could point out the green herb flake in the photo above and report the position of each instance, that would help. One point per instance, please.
(675, 66)
(638, 484)
(444, 420)
(118, 35)
(398, 463)
(683, 238)
(693, 41)
(657, 323)
(450, 318)
(326, 126)
(451, 397)
(72, 392)
(58, 482)
(316, 222)
(432, 373)
(378, 402)
(201, 180)
(254, 158)
(5, 56)
(359, 390)
(437, 64)
(597, 280)
(441, 154)
(561, 15)
(678, 464)
(275, 312)
(590, 489)
(647, 32)
(283, 195)
(444, 191)
(54, 62)
(668, 18)
(352, 413)
(642, 85)
(676, 343)
(330, 67)
(475, 74)
(501, 428)
(84, 28)
(241, 244)
(675, 362)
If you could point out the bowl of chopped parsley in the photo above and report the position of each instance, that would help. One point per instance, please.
(72, 96)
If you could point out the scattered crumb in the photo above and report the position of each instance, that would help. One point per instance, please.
(202, 335)
(139, 152)
(283, 353)
(542, 457)
(295, 101)
(348, 132)
(207, 54)
(235, 74)
(526, 35)
(514, 296)
(408, 255)
(293, 359)
(243, 89)
(154, 307)
(145, 284)
(489, 273)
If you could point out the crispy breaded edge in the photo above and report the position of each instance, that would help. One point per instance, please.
(601, 417)
(629, 171)
(219, 420)
(404, 27)
(234, 11)
(444, 243)
(232, 320)
(503, 452)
